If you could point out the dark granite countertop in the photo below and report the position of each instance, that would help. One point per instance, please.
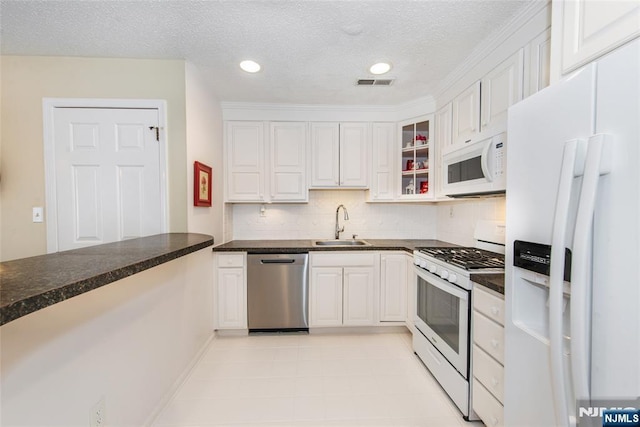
(492, 281)
(31, 284)
(306, 245)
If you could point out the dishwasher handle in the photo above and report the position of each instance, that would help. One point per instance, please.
(277, 261)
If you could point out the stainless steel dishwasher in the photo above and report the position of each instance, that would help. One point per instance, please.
(278, 292)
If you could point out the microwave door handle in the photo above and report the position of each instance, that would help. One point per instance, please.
(572, 163)
(598, 163)
(484, 161)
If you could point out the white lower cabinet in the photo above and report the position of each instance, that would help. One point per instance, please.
(393, 287)
(342, 289)
(231, 291)
(488, 355)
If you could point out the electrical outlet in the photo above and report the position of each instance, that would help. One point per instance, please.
(451, 212)
(98, 413)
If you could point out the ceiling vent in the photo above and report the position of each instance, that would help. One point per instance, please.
(374, 82)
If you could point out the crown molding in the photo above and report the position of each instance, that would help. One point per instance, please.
(491, 43)
(274, 111)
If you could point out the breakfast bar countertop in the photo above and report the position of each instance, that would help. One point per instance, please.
(31, 284)
(306, 245)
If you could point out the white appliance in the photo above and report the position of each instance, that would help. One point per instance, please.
(443, 306)
(477, 168)
(573, 325)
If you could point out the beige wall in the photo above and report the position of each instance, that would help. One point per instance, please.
(204, 144)
(25, 81)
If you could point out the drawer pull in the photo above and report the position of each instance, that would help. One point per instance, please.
(494, 382)
(495, 311)
(494, 421)
(495, 343)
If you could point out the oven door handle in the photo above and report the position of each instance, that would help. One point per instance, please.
(443, 285)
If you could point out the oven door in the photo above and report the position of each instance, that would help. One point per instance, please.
(443, 318)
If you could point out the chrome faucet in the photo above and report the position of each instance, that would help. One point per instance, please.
(346, 218)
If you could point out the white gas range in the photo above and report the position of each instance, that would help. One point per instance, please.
(444, 301)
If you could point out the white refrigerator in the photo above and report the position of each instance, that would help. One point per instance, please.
(572, 247)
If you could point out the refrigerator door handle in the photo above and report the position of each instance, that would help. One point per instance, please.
(598, 163)
(572, 159)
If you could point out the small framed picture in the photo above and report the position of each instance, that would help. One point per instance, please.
(201, 184)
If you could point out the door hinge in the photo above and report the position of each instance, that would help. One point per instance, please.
(157, 129)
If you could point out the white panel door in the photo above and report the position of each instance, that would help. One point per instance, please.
(326, 296)
(466, 114)
(592, 28)
(245, 161)
(358, 296)
(231, 298)
(288, 160)
(383, 158)
(354, 140)
(501, 88)
(393, 288)
(325, 151)
(107, 175)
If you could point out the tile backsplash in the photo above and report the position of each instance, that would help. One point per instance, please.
(457, 219)
(316, 219)
(449, 221)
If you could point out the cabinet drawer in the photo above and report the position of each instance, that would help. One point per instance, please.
(489, 336)
(342, 259)
(488, 304)
(230, 260)
(489, 372)
(487, 407)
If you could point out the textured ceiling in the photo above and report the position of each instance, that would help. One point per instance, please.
(311, 52)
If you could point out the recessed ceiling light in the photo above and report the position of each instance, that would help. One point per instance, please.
(250, 66)
(380, 68)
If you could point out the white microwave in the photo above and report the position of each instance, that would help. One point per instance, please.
(476, 169)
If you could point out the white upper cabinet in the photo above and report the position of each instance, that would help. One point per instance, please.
(339, 155)
(500, 89)
(245, 161)
(537, 58)
(443, 141)
(382, 161)
(466, 114)
(287, 161)
(416, 159)
(591, 28)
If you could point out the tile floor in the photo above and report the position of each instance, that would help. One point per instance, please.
(311, 380)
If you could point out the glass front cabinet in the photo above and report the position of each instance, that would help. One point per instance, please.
(416, 160)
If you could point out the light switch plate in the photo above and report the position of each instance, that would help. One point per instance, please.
(38, 214)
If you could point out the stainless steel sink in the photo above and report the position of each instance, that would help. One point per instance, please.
(341, 243)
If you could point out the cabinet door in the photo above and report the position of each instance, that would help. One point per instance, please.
(537, 63)
(501, 88)
(358, 296)
(466, 114)
(443, 142)
(593, 28)
(325, 152)
(326, 296)
(288, 160)
(393, 288)
(354, 140)
(383, 158)
(412, 292)
(232, 313)
(245, 161)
